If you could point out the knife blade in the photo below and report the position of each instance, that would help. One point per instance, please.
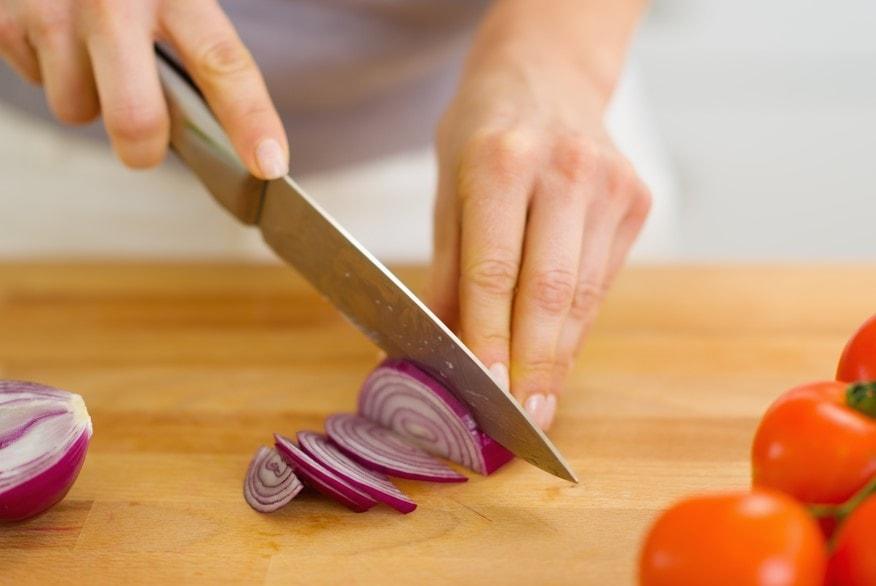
(346, 274)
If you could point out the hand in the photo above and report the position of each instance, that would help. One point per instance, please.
(535, 213)
(96, 56)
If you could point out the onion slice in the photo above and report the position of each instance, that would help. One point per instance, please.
(321, 478)
(375, 484)
(270, 483)
(402, 397)
(44, 437)
(385, 451)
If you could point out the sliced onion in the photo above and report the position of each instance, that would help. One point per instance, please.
(385, 451)
(44, 436)
(270, 483)
(321, 478)
(375, 484)
(402, 397)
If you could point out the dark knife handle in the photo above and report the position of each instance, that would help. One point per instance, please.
(197, 137)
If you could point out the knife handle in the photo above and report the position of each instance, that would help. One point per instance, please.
(197, 137)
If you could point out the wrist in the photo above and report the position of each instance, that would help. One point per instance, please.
(580, 42)
(517, 73)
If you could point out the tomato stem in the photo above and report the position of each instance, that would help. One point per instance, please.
(862, 398)
(841, 511)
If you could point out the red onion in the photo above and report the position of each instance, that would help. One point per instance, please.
(400, 396)
(385, 451)
(44, 436)
(320, 448)
(321, 478)
(270, 483)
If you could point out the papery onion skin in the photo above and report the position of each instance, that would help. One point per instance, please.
(32, 487)
(283, 487)
(375, 484)
(317, 476)
(385, 451)
(440, 423)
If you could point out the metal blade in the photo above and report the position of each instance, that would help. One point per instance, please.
(384, 309)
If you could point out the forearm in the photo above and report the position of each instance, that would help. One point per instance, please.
(586, 40)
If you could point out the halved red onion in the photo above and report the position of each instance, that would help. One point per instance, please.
(377, 485)
(385, 451)
(270, 483)
(44, 436)
(321, 478)
(402, 397)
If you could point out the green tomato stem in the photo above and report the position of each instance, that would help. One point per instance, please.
(862, 398)
(842, 511)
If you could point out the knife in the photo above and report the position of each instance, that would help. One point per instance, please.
(344, 272)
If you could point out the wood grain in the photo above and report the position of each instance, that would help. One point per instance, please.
(186, 369)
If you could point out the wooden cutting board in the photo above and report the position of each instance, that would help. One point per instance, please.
(186, 369)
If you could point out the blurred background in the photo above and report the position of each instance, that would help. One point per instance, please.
(753, 122)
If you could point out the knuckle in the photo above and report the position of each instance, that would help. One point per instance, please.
(47, 22)
(505, 153)
(221, 57)
(491, 339)
(576, 158)
(642, 200)
(96, 15)
(251, 109)
(620, 175)
(9, 33)
(495, 276)
(135, 123)
(540, 368)
(73, 113)
(588, 296)
(553, 291)
(96, 6)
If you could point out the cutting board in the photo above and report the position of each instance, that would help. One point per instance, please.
(187, 369)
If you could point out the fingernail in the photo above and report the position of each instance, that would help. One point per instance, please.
(535, 405)
(500, 375)
(271, 159)
(548, 412)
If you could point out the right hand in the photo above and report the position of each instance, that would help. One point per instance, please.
(96, 56)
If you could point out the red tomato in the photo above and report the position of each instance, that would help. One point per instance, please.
(858, 362)
(853, 562)
(739, 539)
(813, 446)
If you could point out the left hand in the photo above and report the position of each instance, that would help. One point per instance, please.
(535, 213)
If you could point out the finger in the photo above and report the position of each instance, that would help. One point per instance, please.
(600, 228)
(64, 67)
(444, 273)
(16, 50)
(628, 231)
(495, 180)
(134, 111)
(614, 220)
(227, 74)
(547, 285)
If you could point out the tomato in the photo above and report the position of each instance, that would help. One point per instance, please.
(734, 539)
(853, 562)
(815, 444)
(858, 362)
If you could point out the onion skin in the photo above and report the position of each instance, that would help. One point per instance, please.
(32, 487)
(447, 426)
(44, 491)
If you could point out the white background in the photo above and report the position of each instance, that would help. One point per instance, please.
(766, 110)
